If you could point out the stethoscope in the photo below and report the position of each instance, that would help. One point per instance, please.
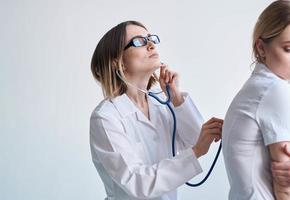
(167, 103)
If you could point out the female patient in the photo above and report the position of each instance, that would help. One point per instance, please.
(257, 124)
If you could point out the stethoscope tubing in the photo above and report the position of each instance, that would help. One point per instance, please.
(167, 103)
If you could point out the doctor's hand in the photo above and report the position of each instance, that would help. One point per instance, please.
(281, 170)
(169, 77)
(210, 131)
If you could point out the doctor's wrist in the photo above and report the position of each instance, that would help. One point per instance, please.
(196, 151)
(177, 99)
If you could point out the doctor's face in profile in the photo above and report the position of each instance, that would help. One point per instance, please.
(277, 54)
(140, 54)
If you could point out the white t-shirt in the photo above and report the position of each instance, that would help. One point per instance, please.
(258, 116)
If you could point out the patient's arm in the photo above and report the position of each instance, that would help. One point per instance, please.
(278, 154)
(281, 170)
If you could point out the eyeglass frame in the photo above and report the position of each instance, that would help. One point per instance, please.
(131, 43)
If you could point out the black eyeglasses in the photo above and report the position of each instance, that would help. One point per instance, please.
(140, 41)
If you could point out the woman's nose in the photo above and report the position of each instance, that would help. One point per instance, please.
(150, 45)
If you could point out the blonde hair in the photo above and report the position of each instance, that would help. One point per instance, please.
(272, 21)
(108, 58)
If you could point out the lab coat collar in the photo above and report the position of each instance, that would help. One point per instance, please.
(161, 95)
(126, 107)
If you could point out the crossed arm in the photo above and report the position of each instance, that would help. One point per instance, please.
(280, 170)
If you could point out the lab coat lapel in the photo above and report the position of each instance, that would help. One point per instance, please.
(126, 107)
(142, 118)
(154, 111)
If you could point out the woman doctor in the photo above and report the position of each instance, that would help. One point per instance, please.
(130, 133)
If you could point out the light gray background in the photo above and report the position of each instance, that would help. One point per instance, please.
(48, 93)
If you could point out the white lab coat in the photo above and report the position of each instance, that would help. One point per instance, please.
(133, 155)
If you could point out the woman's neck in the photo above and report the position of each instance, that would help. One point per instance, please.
(139, 98)
(136, 95)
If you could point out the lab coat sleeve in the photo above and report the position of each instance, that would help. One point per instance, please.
(111, 147)
(189, 123)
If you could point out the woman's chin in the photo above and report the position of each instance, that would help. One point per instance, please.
(157, 64)
(153, 66)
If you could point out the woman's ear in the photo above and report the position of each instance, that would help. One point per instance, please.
(260, 45)
(116, 64)
(122, 65)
